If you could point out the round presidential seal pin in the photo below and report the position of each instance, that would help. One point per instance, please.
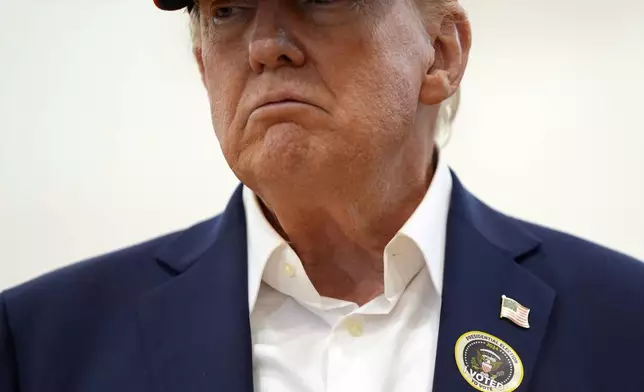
(488, 363)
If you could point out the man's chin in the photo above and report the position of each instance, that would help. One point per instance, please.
(289, 142)
(294, 163)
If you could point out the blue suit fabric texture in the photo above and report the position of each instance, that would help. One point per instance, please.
(171, 314)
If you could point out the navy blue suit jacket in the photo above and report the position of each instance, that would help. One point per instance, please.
(171, 314)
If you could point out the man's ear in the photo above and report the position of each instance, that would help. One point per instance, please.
(197, 52)
(451, 51)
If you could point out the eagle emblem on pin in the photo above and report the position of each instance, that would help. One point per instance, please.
(488, 363)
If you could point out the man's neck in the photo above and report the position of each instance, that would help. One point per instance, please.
(341, 242)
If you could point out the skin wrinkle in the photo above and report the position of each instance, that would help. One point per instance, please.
(338, 178)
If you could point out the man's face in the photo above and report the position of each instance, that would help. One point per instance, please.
(315, 90)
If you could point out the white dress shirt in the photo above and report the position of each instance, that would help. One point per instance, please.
(303, 342)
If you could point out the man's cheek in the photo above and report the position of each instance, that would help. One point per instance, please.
(223, 110)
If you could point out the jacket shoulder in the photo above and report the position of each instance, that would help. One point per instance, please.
(581, 268)
(561, 259)
(113, 277)
(80, 310)
(93, 270)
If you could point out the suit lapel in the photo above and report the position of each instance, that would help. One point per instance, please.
(195, 328)
(482, 263)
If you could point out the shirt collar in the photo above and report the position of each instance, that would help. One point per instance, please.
(425, 228)
(262, 241)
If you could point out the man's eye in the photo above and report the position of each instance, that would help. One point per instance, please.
(222, 14)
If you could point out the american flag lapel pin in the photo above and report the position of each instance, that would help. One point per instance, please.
(515, 312)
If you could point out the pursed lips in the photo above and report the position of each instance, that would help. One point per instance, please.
(283, 97)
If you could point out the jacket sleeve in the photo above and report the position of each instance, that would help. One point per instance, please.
(8, 365)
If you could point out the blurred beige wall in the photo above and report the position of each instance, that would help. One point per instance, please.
(105, 137)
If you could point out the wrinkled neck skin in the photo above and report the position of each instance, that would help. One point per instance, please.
(340, 234)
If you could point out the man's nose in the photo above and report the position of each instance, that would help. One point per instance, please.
(271, 45)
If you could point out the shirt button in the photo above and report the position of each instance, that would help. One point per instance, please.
(355, 328)
(289, 270)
